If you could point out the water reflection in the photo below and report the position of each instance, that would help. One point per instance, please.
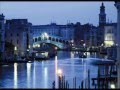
(34, 75)
(28, 74)
(15, 75)
(41, 74)
(56, 68)
(72, 54)
(84, 73)
(46, 77)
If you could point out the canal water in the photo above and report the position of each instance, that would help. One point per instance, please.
(41, 74)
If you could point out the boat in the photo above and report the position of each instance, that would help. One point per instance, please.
(42, 55)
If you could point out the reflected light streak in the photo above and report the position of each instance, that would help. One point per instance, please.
(34, 75)
(72, 54)
(56, 65)
(28, 74)
(15, 75)
(84, 74)
(46, 76)
(88, 54)
(72, 67)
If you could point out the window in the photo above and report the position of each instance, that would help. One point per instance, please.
(39, 39)
(35, 39)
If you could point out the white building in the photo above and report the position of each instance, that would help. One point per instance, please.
(110, 32)
(117, 4)
(2, 33)
(63, 31)
(19, 34)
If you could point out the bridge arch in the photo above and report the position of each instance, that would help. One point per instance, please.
(54, 40)
(35, 39)
(39, 38)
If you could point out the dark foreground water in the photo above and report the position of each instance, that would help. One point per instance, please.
(41, 74)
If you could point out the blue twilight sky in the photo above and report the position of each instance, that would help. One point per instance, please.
(41, 12)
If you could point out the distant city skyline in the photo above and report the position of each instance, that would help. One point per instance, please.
(41, 13)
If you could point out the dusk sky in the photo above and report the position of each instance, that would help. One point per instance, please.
(41, 13)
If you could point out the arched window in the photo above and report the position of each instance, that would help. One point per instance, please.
(49, 38)
(35, 39)
(53, 39)
(39, 39)
(56, 40)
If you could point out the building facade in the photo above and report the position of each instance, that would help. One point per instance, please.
(117, 5)
(110, 34)
(2, 35)
(61, 31)
(18, 32)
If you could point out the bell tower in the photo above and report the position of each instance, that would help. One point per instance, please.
(102, 15)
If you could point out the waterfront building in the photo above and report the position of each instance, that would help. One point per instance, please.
(18, 32)
(93, 36)
(117, 5)
(110, 34)
(2, 33)
(89, 32)
(78, 34)
(85, 34)
(65, 32)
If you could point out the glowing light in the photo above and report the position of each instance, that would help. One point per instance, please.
(108, 43)
(84, 44)
(59, 72)
(112, 86)
(29, 46)
(102, 44)
(38, 45)
(34, 46)
(15, 48)
(72, 41)
(55, 48)
(45, 35)
(15, 75)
